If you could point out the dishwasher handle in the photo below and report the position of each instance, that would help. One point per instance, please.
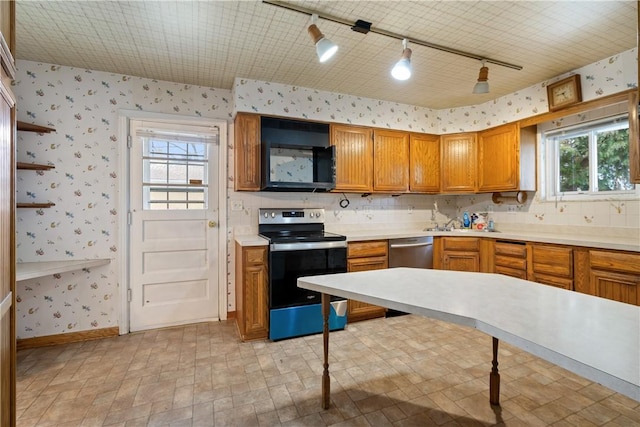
(409, 245)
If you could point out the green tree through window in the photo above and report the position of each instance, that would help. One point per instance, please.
(613, 160)
(574, 164)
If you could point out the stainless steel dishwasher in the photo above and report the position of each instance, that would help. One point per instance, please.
(411, 252)
(414, 252)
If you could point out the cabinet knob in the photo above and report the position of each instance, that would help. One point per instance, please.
(213, 224)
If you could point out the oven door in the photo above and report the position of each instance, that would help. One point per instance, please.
(289, 262)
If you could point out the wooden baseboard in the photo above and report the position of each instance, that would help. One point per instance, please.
(231, 315)
(48, 340)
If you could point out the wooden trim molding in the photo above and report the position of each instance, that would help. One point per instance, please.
(231, 315)
(578, 108)
(48, 340)
(6, 304)
(634, 137)
(8, 64)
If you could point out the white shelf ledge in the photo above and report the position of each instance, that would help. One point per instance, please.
(32, 270)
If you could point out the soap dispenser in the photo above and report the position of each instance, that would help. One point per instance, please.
(466, 221)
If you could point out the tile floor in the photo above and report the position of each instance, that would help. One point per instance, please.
(401, 371)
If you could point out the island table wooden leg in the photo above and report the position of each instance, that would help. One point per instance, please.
(494, 377)
(326, 381)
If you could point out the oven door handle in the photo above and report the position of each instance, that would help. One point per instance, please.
(302, 246)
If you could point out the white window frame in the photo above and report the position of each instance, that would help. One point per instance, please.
(550, 165)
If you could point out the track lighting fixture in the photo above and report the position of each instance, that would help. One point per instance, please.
(483, 85)
(402, 69)
(325, 48)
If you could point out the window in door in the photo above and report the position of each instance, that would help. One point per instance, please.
(175, 170)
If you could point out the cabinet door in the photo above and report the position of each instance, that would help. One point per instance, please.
(252, 279)
(498, 158)
(390, 161)
(357, 310)
(354, 158)
(247, 152)
(615, 275)
(622, 287)
(459, 162)
(256, 319)
(424, 163)
(461, 261)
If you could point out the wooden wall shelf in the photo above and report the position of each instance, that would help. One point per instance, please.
(30, 127)
(33, 166)
(35, 205)
(31, 270)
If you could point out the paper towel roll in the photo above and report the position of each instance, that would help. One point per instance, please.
(340, 307)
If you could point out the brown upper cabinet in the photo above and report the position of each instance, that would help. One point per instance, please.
(498, 160)
(424, 163)
(354, 158)
(459, 162)
(247, 152)
(370, 160)
(502, 158)
(385, 161)
(390, 161)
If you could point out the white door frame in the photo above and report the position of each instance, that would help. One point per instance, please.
(125, 116)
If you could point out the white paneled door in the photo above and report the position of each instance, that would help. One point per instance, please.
(173, 231)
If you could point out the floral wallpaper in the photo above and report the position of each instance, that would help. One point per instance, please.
(605, 77)
(83, 106)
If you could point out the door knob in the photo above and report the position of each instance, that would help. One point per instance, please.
(212, 224)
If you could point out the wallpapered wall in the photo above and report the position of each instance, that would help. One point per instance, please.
(605, 77)
(83, 106)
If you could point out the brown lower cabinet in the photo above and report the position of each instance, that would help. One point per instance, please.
(510, 258)
(613, 275)
(550, 265)
(364, 256)
(457, 253)
(252, 292)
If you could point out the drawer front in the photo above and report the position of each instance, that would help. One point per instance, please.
(368, 249)
(557, 261)
(513, 272)
(558, 282)
(255, 255)
(507, 261)
(511, 249)
(615, 261)
(467, 244)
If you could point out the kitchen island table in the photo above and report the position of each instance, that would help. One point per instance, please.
(596, 338)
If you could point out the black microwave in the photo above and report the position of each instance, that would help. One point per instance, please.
(296, 156)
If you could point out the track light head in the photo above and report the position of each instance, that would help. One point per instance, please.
(325, 48)
(482, 86)
(402, 70)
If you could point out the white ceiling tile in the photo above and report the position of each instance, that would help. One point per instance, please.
(209, 43)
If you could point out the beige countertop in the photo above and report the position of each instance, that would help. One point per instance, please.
(618, 239)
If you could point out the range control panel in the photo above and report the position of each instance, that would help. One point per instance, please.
(291, 216)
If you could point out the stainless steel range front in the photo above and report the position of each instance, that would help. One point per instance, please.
(299, 246)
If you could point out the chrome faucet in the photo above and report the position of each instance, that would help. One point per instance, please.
(448, 224)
